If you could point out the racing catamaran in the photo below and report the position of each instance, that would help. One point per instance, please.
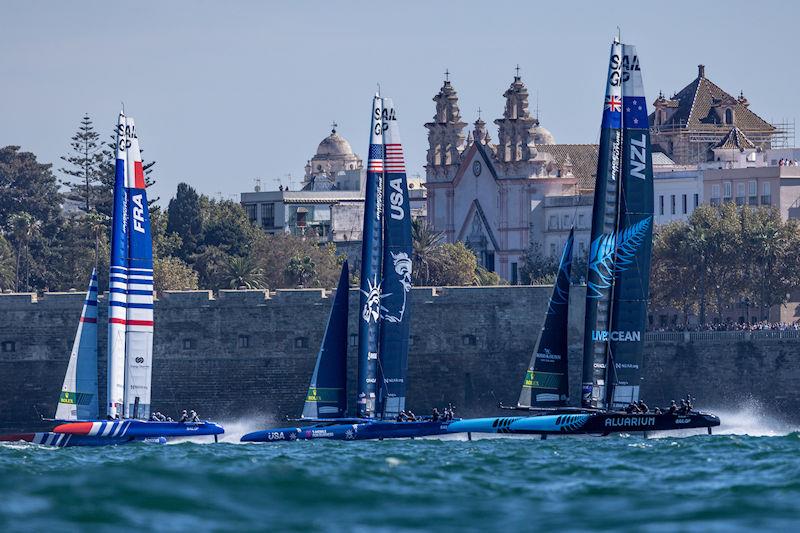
(130, 330)
(384, 317)
(617, 290)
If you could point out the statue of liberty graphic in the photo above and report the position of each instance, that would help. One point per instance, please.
(402, 267)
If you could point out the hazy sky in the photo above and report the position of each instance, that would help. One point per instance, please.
(224, 92)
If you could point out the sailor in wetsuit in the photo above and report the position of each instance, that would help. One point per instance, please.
(435, 414)
(673, 408)
(184, 417)
(642, 406)
(193, 416)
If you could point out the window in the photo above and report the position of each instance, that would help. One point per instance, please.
(715, 191)
(729, 116)
(672, 204)
(301, 342)
(268, 215)
(581, 220)
(244, 341)
(728, 188)
(661, 205)
(553, 222)
(489, 261)
(9, 346)
(565, 219)
(740, 193)
(766, 195)
(752, 187)
(685, 204)
(697, 198)
(353, 340)
(189, 344)
(552, 249)
(469, 340)
(250, 209)
(514, 274)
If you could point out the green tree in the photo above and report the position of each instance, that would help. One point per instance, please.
(104, 200)
(28, 187)
(8, 262)
(171, 273)
(302, 270)
(424, 242)
(536, 268)
(184, 219)
(487, 277)
(243, 272)
(273, 253)
(673, 260)
(84, 164)
(453, 265)
(24, 228)
(225, 225)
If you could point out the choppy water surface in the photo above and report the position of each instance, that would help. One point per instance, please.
(722, 482)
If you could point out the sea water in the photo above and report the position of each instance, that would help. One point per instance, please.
(745, 478)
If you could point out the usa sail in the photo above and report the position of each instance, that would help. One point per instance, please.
(546, 382)
(118, 276)
(371, 259)
(634, 239)
(327, 393)
(139, 310)
(396, 285)
(78, 399)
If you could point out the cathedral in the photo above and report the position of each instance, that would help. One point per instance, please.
(500, 197)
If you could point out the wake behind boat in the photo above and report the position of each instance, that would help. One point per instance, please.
(130, 330)
(384, 318)
(616, 294)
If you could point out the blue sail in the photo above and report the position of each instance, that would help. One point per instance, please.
(371, 257)
(546, 382)
(605, 213)
(634, 241)
(396, 289)
(327, 393)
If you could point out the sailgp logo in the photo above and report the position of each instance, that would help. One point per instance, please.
(402, 267)
(613, 253)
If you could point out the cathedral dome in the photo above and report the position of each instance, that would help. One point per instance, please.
(542, 135)
(334, 145)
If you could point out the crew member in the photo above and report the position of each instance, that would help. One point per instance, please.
(673, 407)
(642, 406)
(411, 417)
(184, 417)
(193, 416)
(435, 414)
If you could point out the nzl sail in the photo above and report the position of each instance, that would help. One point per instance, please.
(130, 346)
(78, 399)
(546, 381)
(619, 260)
(396, 287)
(371, 259)
(327, 393)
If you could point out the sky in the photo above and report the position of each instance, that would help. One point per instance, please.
(227, 92)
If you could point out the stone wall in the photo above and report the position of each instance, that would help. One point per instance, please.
(251, 353)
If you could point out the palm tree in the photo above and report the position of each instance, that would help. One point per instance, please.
(243, 272)
(96, 223)
(6, 264)
(424, 241)
(302, 270)
(24, 227)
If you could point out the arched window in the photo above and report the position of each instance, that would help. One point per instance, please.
(729, 116)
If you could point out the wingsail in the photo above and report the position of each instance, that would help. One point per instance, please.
(78, 398)
(546, 381)
(396, 287)
(327, 393)
(632, 268)
(371, 258)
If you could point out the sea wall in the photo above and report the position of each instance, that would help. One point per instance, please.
(251, 353)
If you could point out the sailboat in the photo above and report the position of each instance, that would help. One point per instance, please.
(384, 314)
(617, 290)
(130, 330)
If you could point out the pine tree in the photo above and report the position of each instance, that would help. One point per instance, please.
(185, 220)
(85, 161)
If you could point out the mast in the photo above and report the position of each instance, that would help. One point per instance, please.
(605, 216)
(139, 310)
(397, 253)
(118, 279)
(78, 399)
(546, 381)
(634, 240)
(371, 258)
(327, 393)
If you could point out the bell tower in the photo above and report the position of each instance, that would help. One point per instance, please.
(445, 134)
(515, 131)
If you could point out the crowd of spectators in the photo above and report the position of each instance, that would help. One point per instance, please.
(733, 326)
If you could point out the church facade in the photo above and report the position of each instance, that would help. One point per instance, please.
(501, 197)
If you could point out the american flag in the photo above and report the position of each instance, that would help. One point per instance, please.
(375, 160)
(394, 158)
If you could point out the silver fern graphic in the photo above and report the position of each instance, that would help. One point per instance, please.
(614, 253)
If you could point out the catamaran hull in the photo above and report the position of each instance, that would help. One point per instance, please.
(584, 423)
(356, 431)
(114, 432)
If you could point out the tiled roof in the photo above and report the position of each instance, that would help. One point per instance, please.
(582, 156)
(695, 109)
(735, 140)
